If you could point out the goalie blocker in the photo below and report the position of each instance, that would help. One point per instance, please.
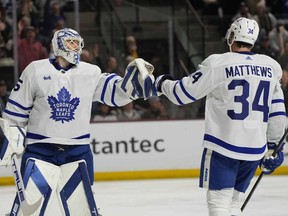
(11, 142)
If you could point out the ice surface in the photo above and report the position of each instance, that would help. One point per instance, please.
(172, 197)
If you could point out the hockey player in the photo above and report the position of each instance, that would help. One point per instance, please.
(52, 101)
(244, 114)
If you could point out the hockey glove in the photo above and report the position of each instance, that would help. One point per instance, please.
(270, 163)
(11, 141)
(138, 79)
(159, 81)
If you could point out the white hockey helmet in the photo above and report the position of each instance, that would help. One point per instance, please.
(243, 30)
(68, 44)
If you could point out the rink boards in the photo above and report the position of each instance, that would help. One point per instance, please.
(145, 150)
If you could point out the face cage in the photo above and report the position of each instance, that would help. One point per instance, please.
(69, 43)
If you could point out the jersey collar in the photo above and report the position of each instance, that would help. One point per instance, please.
(58, 67)
(246, 53)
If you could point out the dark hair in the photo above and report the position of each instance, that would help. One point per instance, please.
(243, 44)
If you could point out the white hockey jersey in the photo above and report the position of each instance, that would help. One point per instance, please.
(55, 105)
(244, 102)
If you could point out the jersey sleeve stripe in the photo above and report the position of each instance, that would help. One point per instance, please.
(185, 92)
(127, 77)
(176, 96)
(230, 147)
(85, 136)
(105, 86)
(19, 105)
(278, 101)
(277, 114)
(113, 94)
(16, 114)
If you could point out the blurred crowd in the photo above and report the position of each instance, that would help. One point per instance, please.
(39, 19)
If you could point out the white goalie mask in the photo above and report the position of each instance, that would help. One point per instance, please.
(242, 30)
(68, 44)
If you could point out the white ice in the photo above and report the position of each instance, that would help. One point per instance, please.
(172, 197)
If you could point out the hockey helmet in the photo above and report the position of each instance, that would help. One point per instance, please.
(243, 30)
(68, 44)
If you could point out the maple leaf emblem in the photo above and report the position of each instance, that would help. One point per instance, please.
(63, 108)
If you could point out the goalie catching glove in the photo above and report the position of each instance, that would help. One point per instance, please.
(138, 79)
(269, 163)
(11, 141)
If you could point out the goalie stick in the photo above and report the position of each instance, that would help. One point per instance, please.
(278, 148)
(27, 209)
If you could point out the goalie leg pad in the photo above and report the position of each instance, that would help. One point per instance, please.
(40, 180)
(75, 190)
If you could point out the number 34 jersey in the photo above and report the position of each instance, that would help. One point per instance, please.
(244, 102)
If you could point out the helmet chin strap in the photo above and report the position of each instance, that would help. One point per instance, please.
(230, 47)
(230, 44)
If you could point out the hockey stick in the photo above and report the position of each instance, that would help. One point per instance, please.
(276, 150)
(26, 208)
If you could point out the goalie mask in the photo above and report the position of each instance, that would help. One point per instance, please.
(68, 44)
(242, 30)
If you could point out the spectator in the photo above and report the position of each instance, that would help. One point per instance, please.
(263, 47)
(4, 95)
(266, 20)
(85, 56)
(3, 39)
(277, 37)
(252, 5)
(279, 7)
(28, 9)
(6, 14)
(243, 11)
(131, 46)
(283, 59)
(112, 66)
(5, 27)
(129, 59)
(29, 49)
(156, 109)
(129, 113)
(104, 114)
(23, 23)
(59, 24)
(52, 14)
(95, 55)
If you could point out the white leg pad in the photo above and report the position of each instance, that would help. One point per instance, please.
(219, 202)
(75, 190)
(42, 180)
(69, 183)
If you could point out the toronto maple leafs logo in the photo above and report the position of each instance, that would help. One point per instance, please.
(63, 109)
